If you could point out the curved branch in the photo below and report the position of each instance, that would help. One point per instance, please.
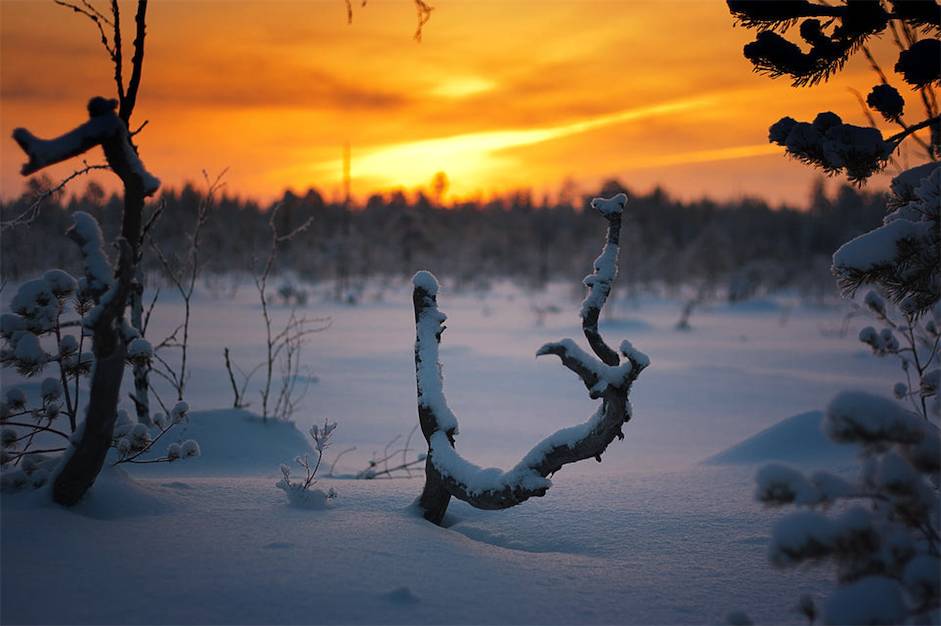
(599, 282)
(448, 474)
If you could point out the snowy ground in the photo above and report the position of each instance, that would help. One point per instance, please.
(651, 535)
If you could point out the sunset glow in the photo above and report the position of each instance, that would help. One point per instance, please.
(498, 96)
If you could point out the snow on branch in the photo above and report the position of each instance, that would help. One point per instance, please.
(103, 128)
(605, 374)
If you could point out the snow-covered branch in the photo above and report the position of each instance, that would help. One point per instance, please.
(103, 128)
(609, 377)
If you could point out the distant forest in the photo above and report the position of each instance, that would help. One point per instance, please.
(730, 249)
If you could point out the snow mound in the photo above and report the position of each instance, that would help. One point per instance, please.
(234, 442)
(114, 496)
(797, 439)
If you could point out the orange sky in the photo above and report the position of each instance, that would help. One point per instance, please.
(501, 94)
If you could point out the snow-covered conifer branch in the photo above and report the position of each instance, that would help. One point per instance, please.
(607, 377)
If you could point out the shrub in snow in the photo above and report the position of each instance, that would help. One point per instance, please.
(109, 292)
(885, 540)
(607, 374)
(914, 341)
(47, 329)
(282, 348)
(36, 339)
(299, 492)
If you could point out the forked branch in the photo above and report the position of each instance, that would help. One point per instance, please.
(608, 377)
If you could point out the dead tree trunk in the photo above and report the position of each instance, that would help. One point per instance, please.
(608, 377)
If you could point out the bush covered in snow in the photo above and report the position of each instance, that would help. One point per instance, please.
(881, 530)
(49, 329)
(299, 492)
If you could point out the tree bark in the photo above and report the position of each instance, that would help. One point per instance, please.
(86, 458)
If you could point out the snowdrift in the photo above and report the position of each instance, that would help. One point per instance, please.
(798, 439)
(232, 442)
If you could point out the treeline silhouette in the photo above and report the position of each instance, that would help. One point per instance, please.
(734, 247)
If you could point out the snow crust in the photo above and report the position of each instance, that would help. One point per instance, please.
(476, 479)
(665, 548)
(599, 282)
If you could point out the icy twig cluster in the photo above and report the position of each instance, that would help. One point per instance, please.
(299, 493)
(607, 374)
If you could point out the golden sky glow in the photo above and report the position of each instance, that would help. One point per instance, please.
(501, 94)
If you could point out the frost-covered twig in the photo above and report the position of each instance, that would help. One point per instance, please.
(608, 377)
(300, 493)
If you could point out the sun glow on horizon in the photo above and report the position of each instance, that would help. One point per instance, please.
(579, 91)
(475, 156)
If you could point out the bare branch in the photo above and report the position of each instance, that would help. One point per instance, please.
(117, 56)
(137, 63)
(97, 18)
(32, 211)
